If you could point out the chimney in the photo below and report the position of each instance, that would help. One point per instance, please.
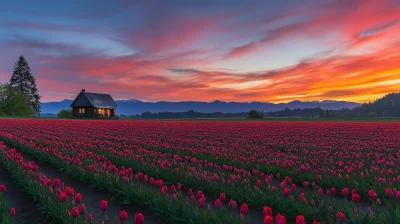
(83, 90)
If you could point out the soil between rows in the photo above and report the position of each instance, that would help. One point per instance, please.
(26, 210)
(92, 198)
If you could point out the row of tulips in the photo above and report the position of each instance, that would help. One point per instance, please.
(329, 213)
(53, 197)
(56, 199)
(7, 213)
(293, 204)
(169, 202)
(299, 161)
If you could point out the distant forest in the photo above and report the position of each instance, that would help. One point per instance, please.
(388, 106)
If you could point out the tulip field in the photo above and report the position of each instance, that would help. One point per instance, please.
(204, 171)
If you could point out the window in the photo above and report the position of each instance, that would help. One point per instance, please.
(81, 110)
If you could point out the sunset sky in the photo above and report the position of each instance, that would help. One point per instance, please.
(206, 50)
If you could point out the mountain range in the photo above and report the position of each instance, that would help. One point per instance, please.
(132, 107)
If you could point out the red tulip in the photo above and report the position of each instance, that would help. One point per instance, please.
(69, 191)
(300, 220)
(222, 197)
(258, 183)
(201, 203)
(268, 219)
(218, 203)
(372, 194)
(232, 203)
(286, 191)
(78, 198)
(267, 211)
(103, 205)
(56, 183)
(341, 217)
(190, 192)
(199, 194)
(320, 192)
(75, 212)
(355, 198)
(90, 218)
(2, 188)
(62, 197)
(244, 209)
(280, 219)
(345, 192)
(123, 216)
(82, 209)
(67, 212)
(139, 219)
(12, 212)
(389, 192)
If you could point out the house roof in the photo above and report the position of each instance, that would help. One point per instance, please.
(97, 100)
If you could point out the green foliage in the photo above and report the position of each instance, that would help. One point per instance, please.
(23, 79)
(13, 102)
(255, 114)
(65, 113)
(5, 208)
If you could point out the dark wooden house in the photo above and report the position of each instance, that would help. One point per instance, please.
(93, 105)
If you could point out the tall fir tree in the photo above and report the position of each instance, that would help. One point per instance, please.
(23, 79)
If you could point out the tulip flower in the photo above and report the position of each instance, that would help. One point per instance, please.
(90, 218)
(222, 197)
(244, 209)
(139, 218)
(75, 212)
(2, 188)
(355, 198)
(82, 209)
(12, 212)
(78, 198)
(341, 217)
(123, 216)
(62, 197)
(286, 192)
(389, 192)
(267, 211)
(300, 219)
(258, 183)
(218, 203)
(56, 183)
(280, 219)
(201, 203)
(268, 219)
(103, 205)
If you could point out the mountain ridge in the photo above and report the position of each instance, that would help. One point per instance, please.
(134, 106)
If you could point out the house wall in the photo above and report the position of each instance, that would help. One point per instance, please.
(88, 112)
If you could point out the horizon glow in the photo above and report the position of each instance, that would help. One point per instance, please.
(237, 50)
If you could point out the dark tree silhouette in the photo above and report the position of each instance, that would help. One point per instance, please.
(23, 79)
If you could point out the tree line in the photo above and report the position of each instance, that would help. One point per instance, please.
(20, 96)
(388, 106)
(191, 114)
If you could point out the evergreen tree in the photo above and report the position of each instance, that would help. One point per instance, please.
(23, 79)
